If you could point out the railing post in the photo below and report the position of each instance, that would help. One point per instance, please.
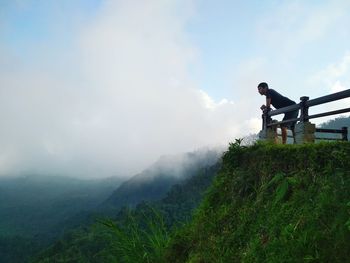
(304, 110)
(344, 133)
(266, 132)
(265, 117)
(304, 130)
(263, 128)
(263, 132)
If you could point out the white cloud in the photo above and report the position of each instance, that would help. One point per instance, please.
(112, 104)
(210, 104)
(295, 26)
(254, 124)
(337, 87)
(334, 78)
(114, 92)
(340, 69)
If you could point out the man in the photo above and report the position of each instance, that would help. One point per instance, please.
(278, 101)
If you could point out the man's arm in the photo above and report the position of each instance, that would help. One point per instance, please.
(268, 104)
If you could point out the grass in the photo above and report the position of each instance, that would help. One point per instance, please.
(273, 203)
(137, 241)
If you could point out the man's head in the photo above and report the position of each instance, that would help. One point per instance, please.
(262, 88)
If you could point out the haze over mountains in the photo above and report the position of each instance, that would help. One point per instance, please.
(154, 182)
(33, 205)
(36, 209)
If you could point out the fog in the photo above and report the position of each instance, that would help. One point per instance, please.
(107, 94)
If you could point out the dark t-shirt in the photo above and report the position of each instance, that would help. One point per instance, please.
(277, 100)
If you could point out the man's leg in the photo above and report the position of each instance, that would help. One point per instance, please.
(293, 131)
(275, 132)
(284, 134)
(293, 115)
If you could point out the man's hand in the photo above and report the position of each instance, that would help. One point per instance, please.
(263, 107)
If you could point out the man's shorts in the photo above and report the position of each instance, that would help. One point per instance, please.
(288, 116)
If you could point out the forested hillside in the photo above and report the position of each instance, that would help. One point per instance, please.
(33, 207)
(36, 210)
(155, 182)
(34, 204)
(99, 243)
(336, 123)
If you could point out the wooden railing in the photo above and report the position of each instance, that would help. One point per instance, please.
(343, 132)
(303, 107)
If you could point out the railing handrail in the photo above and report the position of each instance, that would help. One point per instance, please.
(329, 130)
(328, 113)
(329, 98)
(282, 122)
(314, 102)
(343, 131)
(284, 110)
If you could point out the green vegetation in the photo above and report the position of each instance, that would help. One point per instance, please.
(134, 235)
(156, 181)
(34, 210)
(265, 203)
(33, 205)
(140, 240)
(336, 123)
(52, 215)
(273, 203)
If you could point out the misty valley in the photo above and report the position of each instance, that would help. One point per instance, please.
(63, 219)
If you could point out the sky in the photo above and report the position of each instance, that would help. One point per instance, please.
(98, 88)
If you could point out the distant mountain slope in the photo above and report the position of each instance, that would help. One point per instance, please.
(32, 209)
(150, 185)
(153, 183)
(336, 123)
(95, 244)
(183, 198)
(32, 205)
(47, 206)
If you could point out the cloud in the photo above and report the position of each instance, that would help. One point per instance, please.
(112, 98)
(295, 24)
(334, 78)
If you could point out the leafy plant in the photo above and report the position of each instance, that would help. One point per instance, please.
(136, 242)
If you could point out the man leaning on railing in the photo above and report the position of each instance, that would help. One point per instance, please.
(278, 101)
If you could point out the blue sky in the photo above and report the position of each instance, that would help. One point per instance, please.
(91, 83)
(224, 33)
(217, 31)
